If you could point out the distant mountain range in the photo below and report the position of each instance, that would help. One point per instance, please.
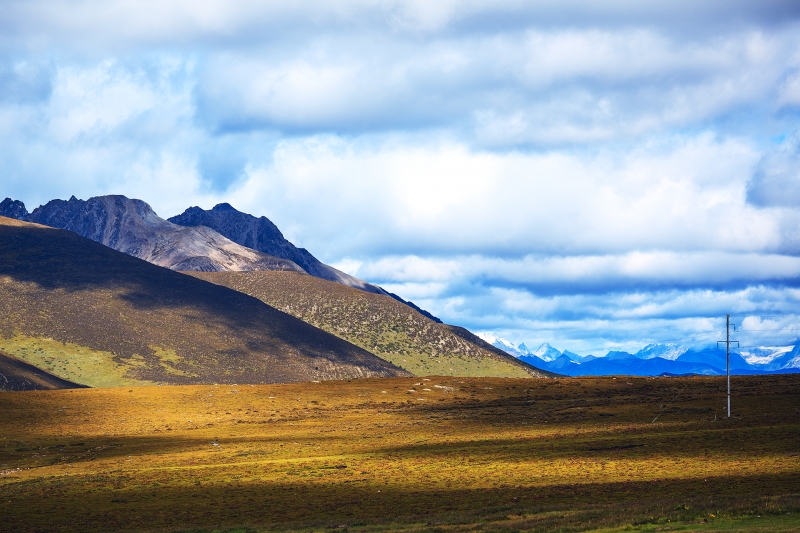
(655, 359)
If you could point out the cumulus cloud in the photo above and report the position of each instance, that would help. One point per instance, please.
(437, 197)
(776, 180)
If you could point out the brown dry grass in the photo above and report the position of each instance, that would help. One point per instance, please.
(402, 454)
(12, 222)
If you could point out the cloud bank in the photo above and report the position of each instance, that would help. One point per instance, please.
(594, 175)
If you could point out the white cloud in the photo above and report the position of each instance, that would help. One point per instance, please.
(439, 196)
(594, 273)
(577, 170)
(536, 87)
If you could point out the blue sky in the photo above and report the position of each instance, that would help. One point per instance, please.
(597, 175)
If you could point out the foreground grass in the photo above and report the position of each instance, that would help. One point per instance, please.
(415, 454)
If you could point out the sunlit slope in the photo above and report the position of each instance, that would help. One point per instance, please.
(375, 322)
(98, 317)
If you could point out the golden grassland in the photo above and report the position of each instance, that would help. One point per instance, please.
(405, 454)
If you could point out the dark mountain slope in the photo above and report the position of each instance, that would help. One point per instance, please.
(375, 322)
(95, 316)
(132, 227)
(17, 375)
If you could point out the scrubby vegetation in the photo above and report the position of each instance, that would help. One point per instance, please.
(406, 454)
(377, 323)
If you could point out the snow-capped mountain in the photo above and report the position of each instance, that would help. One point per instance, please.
(655, 359)
(545, 352)
(763, 355)
(575, 357)
(667, 351)
(786, 360)
(505, 345)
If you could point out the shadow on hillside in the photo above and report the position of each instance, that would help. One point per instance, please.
(76, 450)
(75, 275)
(60, 259)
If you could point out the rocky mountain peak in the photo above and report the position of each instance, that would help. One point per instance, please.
(259, 233)
(13, 209)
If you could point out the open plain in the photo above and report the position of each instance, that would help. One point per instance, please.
(437, 453)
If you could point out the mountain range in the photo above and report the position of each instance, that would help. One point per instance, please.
(221, 239)
(103, 304)
(132, 227)
(655, 359)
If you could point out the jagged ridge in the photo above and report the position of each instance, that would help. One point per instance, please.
(131, 226)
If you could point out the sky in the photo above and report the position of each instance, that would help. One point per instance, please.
(596, 175)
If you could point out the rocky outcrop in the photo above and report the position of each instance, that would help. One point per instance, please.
(262, 235)
(13, 209)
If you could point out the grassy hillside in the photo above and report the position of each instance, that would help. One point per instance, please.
(17, 375)
(98, 317)
(438, 454)
(376, 323)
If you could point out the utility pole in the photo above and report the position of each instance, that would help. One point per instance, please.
(728, 343)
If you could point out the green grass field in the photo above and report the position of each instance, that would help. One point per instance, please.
(405, 454)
